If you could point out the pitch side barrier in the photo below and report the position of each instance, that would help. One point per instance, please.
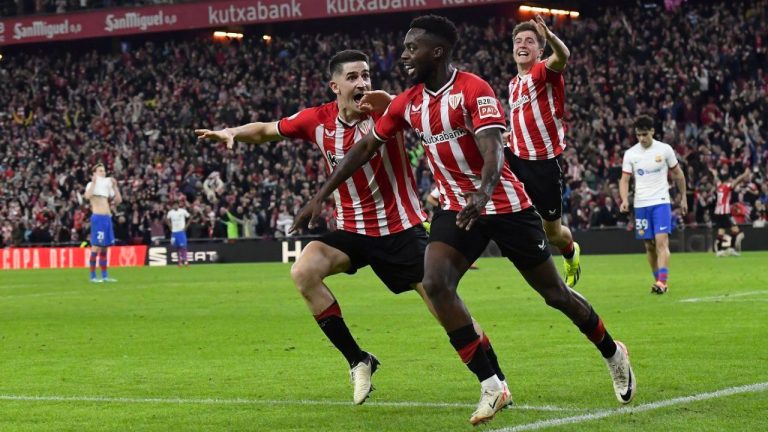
(208, 251)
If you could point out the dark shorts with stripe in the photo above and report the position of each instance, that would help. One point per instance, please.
(519, 235)
(397, 259)
(543, 181)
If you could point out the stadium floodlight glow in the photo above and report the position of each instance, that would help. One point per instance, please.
(547, 11)
(221, 34)
(267, 38)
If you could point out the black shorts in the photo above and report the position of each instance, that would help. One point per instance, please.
(543, 181)
(723, 221)
(519, 235)
(397, 259)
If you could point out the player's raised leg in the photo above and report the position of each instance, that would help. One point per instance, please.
(545, 279)
(317, 261)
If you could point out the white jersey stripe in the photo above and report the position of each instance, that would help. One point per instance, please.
(521, 124)
(381, 213)
(537, 116)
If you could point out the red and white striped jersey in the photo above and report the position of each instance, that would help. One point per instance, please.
(723, 203)
(536, 107)
(447, 121)
(381, 197)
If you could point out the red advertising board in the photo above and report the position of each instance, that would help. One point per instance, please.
(151, 19)
(68, 257)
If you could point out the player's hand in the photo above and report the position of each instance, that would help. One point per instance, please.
(505, 138)
(624, 207)
(375, 101)
(476, 202)
(224, 135)
(310, 212)
(683, 206)
(541, 27)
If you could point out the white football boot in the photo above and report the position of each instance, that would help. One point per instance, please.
(360, 375)
(621, 373)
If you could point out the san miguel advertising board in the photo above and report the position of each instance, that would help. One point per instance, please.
(152, 19)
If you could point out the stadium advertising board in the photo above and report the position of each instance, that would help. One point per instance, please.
(151, 19)
(68, 257)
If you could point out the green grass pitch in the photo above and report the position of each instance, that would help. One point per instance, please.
(233, 348)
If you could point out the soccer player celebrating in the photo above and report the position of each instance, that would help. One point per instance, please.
(177, 219)
(98, 191)
(537, 137)
(727, 243)
(460, 123)
(378, 212)
(649, 161)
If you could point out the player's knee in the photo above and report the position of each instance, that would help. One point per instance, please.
(304, 275)
(650, 246)
(437, 288)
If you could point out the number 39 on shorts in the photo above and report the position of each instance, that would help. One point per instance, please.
(641, 224)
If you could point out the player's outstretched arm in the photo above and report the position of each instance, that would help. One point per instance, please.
(744, 176)
(489, 142)
(358, 155)
(252, 133)
(560, 52)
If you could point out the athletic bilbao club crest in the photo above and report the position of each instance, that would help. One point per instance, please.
(455, 100)
(365, 126)
(487, 107)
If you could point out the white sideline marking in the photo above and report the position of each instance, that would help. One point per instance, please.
(752, 388)
(722, 297)
(238, 401)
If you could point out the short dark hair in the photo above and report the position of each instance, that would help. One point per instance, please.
(95, 167)
(644, 122)
(346, 56)
(439, 26)
(529, 26)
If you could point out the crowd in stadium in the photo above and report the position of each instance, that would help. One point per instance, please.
(701, 71)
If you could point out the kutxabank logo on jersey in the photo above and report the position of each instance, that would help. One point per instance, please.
(443, 136)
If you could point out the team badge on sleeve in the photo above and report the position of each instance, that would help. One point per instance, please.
(487, 107)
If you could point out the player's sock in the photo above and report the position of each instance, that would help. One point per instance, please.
(184, 255)
(103, 263)
(332, 324)
(486, 344)
(596, 332)
(655, 275)
(93, 264)
(466, 342)
(568, 250)
(663, 275)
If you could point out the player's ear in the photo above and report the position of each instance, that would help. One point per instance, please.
(438, 52)
(334, 87)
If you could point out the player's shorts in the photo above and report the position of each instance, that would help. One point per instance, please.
(397, 259)
(179, 239)
(543, 181)
(102, 234)
(653, 220)
(723, 221)
(520, 236)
